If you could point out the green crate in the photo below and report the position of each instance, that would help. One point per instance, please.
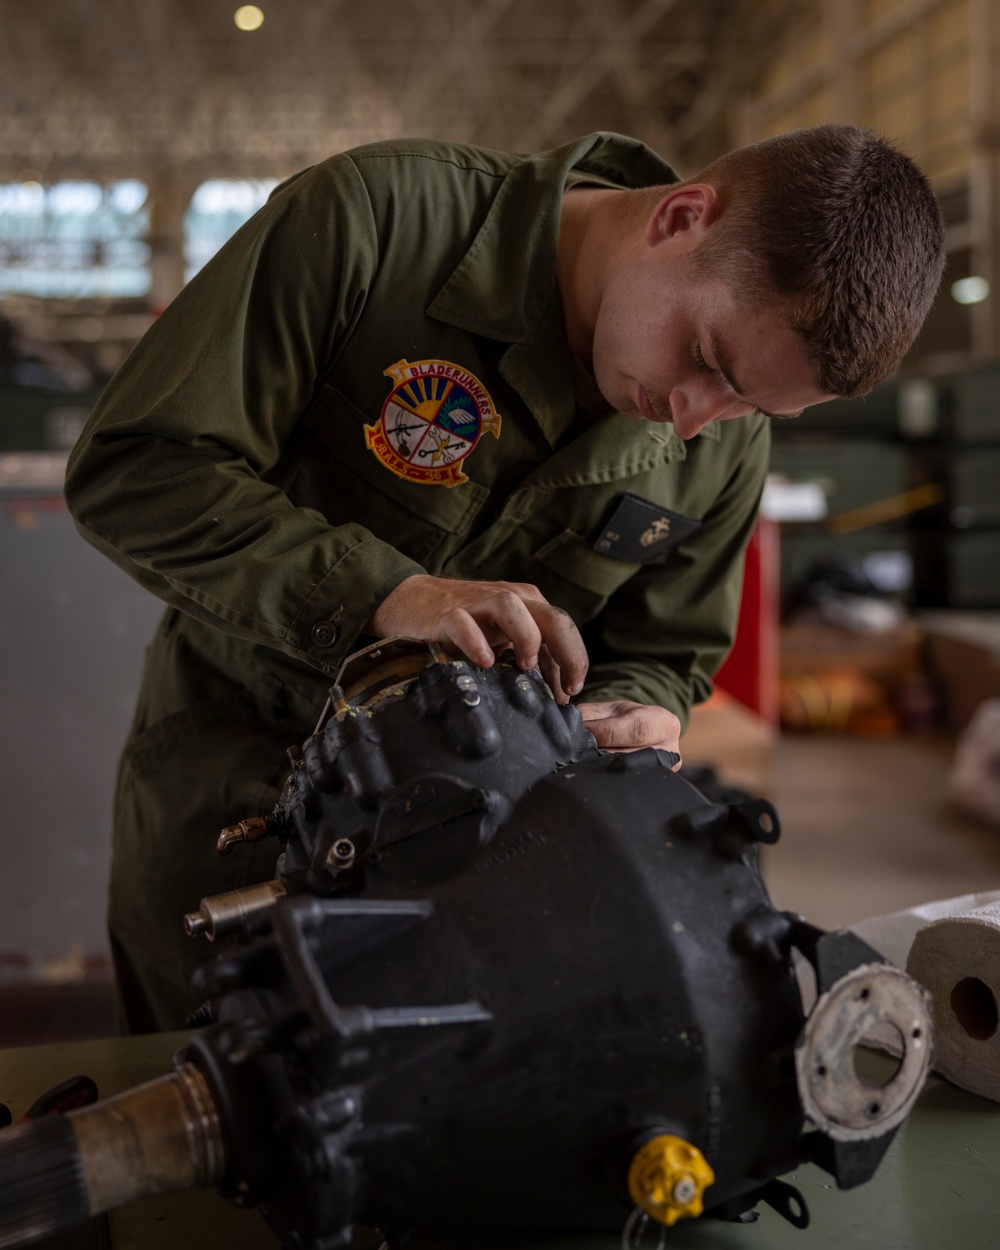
(974, 570)
(854, 473)
(41, 420)
(976, 405)
(975, 485)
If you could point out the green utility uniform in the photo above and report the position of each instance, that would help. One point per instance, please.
(372, 379)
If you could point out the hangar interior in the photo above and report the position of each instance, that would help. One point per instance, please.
(863, 695)
(135, 139)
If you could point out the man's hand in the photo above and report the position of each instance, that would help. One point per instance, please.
(626, 726)
(477, 617)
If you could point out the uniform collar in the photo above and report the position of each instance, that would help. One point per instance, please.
(522, 227)
(523, 224)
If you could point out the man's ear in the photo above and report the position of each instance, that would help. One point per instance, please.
(683, 216)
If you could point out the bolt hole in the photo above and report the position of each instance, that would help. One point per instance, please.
(975, 1008)
(865, 994)
(821, 1070)
(916, 1033)
(874, 1108)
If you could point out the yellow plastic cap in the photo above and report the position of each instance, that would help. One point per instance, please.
(667, 1178)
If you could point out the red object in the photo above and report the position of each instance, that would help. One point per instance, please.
(78, 1091)
(750, 672)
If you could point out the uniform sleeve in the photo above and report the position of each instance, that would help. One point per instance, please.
(168, 477)
(666, 632)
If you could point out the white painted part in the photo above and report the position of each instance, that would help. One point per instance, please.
(793, 501)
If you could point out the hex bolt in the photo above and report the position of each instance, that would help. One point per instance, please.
(470, 692)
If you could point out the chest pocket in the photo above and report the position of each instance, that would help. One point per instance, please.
(343, 479)
(581, 573)
(573, 576)
(642, 531)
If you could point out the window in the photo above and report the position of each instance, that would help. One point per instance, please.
(74, 239)
(218, 208)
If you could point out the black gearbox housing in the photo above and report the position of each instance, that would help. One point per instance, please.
(506, 959)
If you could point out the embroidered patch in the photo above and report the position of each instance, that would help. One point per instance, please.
(435, 415)
(642, 532)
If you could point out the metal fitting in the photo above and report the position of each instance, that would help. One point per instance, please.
(252, 830)
(228, 913)
(155, 1139)
(341, 855)
(470, 691)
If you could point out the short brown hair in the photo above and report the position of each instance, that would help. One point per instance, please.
(842, 227)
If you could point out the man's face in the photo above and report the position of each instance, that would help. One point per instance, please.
(673, 344)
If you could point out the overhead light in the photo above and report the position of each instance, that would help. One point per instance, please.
(970, 290)
(248, 17)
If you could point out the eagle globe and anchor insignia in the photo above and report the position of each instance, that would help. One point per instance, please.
(434, 416)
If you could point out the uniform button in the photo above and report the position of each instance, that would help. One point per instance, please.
(324, 633)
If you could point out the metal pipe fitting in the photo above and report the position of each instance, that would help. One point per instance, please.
(230, 912)
(58, 1171)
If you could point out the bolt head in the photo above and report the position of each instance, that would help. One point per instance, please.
(684, 1190)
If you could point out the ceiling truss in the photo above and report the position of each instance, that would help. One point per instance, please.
(111, 88)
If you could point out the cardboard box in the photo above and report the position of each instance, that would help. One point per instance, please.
(964, 659)
(812, 647)
(726, 736)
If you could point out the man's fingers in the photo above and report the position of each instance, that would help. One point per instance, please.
(550, 671)
(507, 614)
(628, 731)
(475, 616)
(526, 591)
(462, 630)
(596, 711)
(564, 643)
(625, 726)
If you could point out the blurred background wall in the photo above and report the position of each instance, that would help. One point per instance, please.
(135, 138)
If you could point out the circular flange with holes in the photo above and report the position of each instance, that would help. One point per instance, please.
(877, 1005)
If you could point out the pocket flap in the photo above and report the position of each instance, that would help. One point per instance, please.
(572, 557)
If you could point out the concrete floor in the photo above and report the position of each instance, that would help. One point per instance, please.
(866, 829)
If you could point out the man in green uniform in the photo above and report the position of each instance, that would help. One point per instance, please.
(472, 397)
